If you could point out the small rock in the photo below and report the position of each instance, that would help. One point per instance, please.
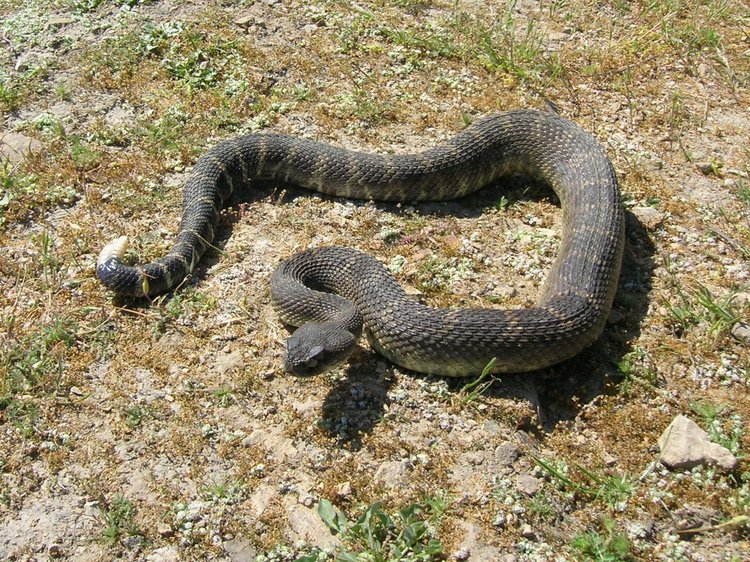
(461, 555)
(707, 168)
(692, 516)
(641, 529)
(741, 332)
(527, 484)
(75, 391)
(609, 460)
(684, 445)
(506, 453)
(500, 520)
(527, 532)
(132, 542)
(59, 21)
(392, 474)
(244, 21)
(165, 530)
(649, 217)
(305, 525)
(55, 551)
(344, 490)
(240, 550)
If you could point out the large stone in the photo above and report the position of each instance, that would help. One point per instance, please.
(684, 445)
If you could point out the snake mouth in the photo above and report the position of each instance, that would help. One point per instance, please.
(309, 365)
(314, 349)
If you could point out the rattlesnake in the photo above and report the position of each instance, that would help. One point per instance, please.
(571, 311)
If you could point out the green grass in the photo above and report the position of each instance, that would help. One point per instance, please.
(613, 489)
(134, 416)
(637, 367)
(501, 46)
(476, 388)
(219, 490)
(699, 306)
(609, 545)
(34, 363)
(722, 425)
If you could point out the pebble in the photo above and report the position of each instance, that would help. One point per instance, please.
(685, 445)
(741, 332)
(344, 490)
(506, 453)
(500, 520)
(164, 530)
(527, 532)
(528, 484)
(649, 217)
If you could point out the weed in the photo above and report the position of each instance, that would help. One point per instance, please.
(475, 389)
(614, 489)
(501, 47)
(38, 359)
(502, 204)
(224, 395)
(379, 537)
(133, 416)
(187, 302)
(541, 508)
(636, 366)
(701, 306)
(9, 95)
(221, 491)
(435, 43)
(722, 426)
(361, 104)
(118, 520)
(47, 261)
(611, 546)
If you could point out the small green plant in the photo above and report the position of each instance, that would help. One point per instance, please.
(614, 489)
(502, 204)
(475, 389)
(118, 520)
(636, 366)
(47, 259)
(722, 426)
(36, 362)
(743, 191)
(133, 416)
(502, 47)
(701, 306)
(379, 537)
(224, 395)
(9, 96)
(221, 490)
(541, 508)
(609, 546)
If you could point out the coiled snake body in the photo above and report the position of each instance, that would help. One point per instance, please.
(570, 313)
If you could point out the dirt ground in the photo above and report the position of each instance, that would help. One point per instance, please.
(167, 430)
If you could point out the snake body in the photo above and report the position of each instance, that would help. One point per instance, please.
(572, 308)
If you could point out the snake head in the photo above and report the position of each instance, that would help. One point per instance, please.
(316, 348)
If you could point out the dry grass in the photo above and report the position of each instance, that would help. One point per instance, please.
(170, 424)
